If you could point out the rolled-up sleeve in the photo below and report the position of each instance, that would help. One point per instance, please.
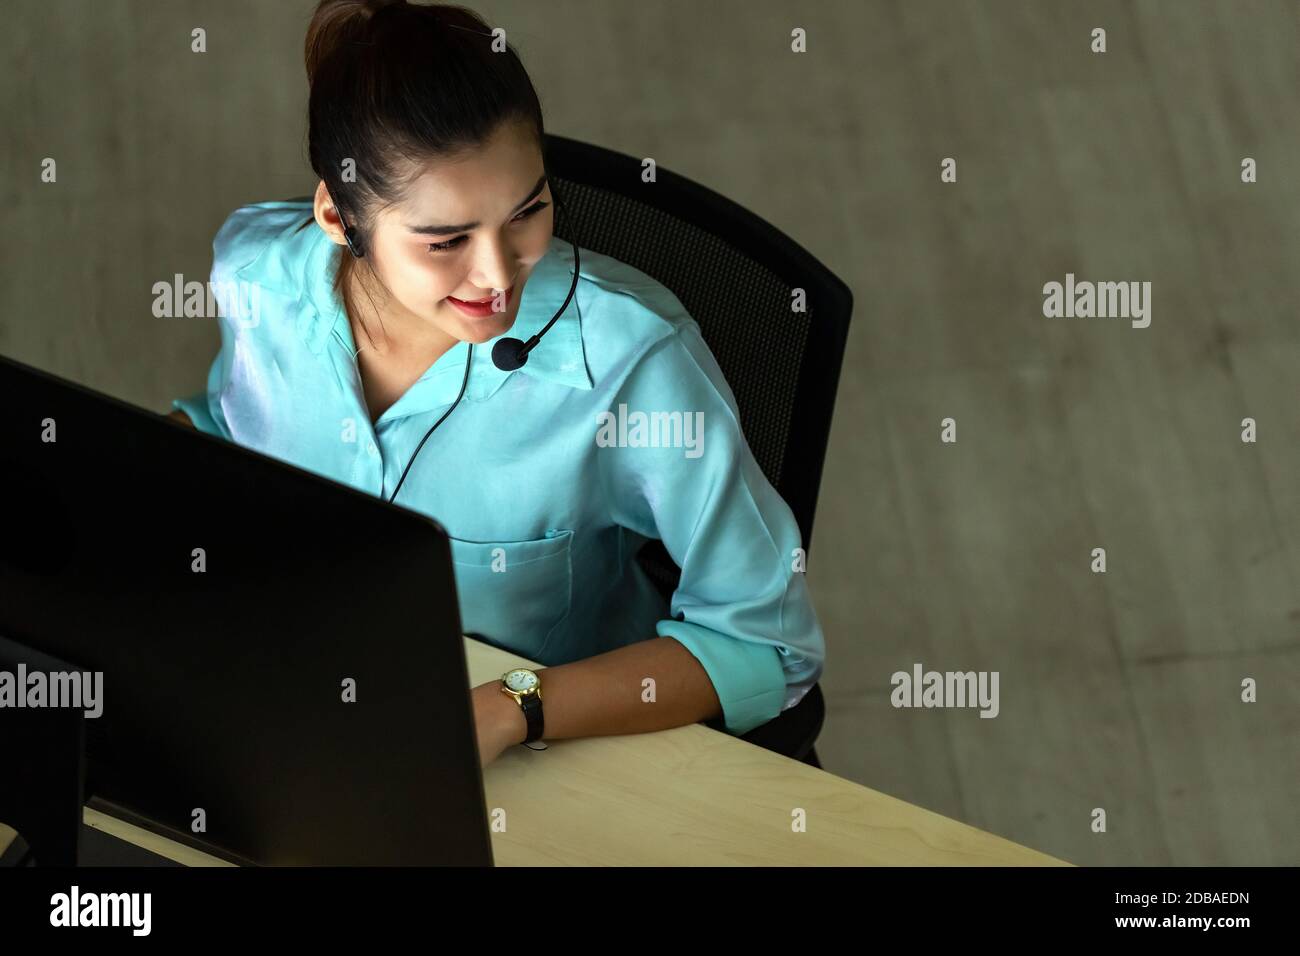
(742, 606)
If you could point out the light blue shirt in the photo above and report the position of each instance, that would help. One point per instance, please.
(548, 478)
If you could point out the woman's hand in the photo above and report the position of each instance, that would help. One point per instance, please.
(498, 721)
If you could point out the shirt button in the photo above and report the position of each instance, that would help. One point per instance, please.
(371, 449)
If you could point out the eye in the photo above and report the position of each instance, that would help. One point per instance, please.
(450, 244)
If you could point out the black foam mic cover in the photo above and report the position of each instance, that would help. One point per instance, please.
(508, 354)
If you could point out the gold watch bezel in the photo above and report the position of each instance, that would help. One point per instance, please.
(518, 695)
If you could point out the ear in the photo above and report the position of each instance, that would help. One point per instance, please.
(327, 215)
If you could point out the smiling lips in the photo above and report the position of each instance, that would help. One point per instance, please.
(484, 301)
(479, 308)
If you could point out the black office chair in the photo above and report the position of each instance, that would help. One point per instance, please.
(735, 274)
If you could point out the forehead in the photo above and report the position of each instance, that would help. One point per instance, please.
(477, 182)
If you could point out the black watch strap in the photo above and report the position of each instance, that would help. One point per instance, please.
(532, 708)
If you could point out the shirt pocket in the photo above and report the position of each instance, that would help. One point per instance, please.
(514, 593)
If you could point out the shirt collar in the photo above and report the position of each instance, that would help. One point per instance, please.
(301, 264)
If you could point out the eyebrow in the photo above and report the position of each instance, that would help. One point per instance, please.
(467, 226)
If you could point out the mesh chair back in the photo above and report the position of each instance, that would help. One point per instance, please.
(736, 275)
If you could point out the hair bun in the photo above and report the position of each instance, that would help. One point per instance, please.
(334, 23)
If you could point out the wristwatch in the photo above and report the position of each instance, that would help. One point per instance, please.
(526, 688)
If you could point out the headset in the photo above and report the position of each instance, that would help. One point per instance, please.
(507, 355)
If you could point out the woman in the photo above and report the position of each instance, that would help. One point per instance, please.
(426, 134)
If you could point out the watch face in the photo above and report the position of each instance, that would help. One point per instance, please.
(521, 679)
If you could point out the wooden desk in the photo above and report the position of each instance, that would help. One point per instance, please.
(687, 796)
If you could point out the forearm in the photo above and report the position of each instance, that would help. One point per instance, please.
(608, 694)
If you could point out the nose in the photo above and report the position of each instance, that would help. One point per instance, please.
(495, 268)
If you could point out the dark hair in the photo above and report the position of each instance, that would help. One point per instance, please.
(393, 81)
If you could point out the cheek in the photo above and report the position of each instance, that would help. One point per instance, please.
(539, 238)
(529, 252)
(418, 279)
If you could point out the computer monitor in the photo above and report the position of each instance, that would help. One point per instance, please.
(283, 671)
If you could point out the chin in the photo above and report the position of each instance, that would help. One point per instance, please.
(486, 332)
